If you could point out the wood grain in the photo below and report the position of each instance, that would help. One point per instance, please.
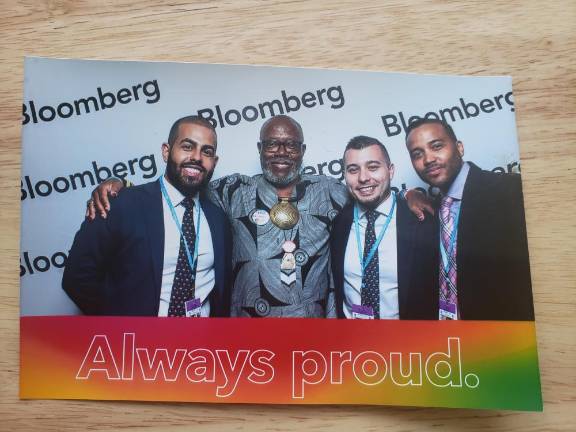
(533, 41)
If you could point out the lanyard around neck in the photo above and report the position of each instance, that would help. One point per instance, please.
(191, 260)
(364, 262)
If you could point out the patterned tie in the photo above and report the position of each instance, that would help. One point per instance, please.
(183, 285)
(370, 292)
(448, 291)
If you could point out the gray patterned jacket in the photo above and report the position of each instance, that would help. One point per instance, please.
(257, 254)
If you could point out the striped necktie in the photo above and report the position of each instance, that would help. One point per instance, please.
(448, 269)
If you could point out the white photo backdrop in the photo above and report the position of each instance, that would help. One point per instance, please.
(86, 120)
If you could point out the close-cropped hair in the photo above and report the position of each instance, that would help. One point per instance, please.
(361, 142)
(193, 119)
(426, 121)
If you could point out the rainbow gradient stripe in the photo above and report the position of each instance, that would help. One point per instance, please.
(282, 361)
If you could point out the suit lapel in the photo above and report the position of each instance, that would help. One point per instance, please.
(405, 248)
(341, 236)
(153, 213)
(341, 232)
(469, 207)
(466, 243)
(218, 242)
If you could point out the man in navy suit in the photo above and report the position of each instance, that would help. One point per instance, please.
(381, 260)
(481, 250)
(163, 249)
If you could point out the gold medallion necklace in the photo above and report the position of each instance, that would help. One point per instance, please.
(283, 214)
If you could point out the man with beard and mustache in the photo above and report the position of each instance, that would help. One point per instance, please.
(163, 249)
(281, 221)
(481, 248)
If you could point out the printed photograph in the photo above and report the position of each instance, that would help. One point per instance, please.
(191, 190)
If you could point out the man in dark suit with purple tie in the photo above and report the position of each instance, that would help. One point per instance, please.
(481, 250)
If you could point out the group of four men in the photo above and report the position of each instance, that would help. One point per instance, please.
(286, 244)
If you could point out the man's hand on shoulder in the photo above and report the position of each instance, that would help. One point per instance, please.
(418, 203)
(99, 203)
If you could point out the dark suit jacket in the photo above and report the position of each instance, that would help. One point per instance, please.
(493, 276)
(115, 264)
(417, 272)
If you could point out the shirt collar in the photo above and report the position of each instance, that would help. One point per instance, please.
(383, 208)
(175, 195)
(457, 187)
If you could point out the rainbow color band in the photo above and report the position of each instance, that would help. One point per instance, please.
(465, 364)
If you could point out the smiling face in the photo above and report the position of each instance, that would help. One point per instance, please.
(191, 159)
(281, 150)
(436, 157)
(368, 175)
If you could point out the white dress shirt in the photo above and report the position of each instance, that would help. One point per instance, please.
(205, 265)
(387, 259)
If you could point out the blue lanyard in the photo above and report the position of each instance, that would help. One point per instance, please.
(452, 243)
(191, 262)
(364, 263)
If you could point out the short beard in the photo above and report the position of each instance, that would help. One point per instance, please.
(372, 205)
(184, 188)
(280, 181)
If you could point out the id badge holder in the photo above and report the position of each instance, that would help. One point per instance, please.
(362, 312)
(447, 311)
(192, 308)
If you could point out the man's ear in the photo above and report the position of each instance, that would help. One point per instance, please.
(303, 149)
(259, 145)
(392, 169)
(460, 147)
(165, 151)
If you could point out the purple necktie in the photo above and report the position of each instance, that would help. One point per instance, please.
(448, 292)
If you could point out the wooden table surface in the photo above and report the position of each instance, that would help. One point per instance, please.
(533, 41)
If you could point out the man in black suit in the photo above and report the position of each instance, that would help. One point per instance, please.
(381, 261)
(481, 248)
(163, 249)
